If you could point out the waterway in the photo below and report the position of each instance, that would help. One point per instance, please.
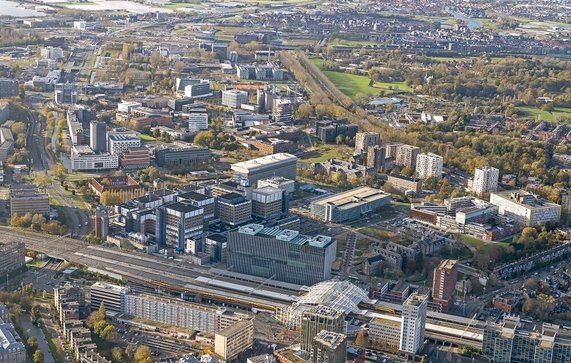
(11, 8)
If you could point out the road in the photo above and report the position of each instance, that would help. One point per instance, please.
(33, 331)
(77, 217)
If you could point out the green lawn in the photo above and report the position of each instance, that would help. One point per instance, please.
(351, 84)
(145, 137)
(559, 113)
(393, 86)
(477, 243)
(350, 43)
(325, 152)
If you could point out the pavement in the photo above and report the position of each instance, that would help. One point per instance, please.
(33, 331)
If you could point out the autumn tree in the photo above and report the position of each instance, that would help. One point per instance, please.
(143, 355)
(59, 172)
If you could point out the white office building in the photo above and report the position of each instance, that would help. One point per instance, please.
(198, 121)
(234, 98)
(429, 164)
(111, 296)
(128, 106)
(413, 323)
(525, 208)
(83, 158)
(51, 53)
(118, 144)
(485, 180)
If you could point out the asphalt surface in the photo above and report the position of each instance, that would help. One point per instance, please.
(33, 331)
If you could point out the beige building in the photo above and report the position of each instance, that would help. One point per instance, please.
(12, 257)
(525, 208)
(406, 156)
(233, 208)
(385, 332)
(329, 347)
(235, 339)
(27, 198)
(404, 184)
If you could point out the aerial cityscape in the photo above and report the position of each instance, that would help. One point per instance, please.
(285, 181)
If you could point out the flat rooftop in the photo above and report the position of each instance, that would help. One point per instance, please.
(353, 197)
(263, 162)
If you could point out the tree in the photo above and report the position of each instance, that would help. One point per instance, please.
(204, 138)
(42, 180)
(108, 199)
(153, 173)
(304, 111)
(117, 355)
(339, 178)
(156, 59)
(38, 356)
(339, 139)
(99, 327)
(143, 355)
(108, 333)
(36, 311)
(361, 339)
(59, 172)
(32, 344)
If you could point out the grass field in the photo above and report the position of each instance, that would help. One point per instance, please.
(325, 152)
(559, 113)
(477, 243)
(350, 43)
(145, 137)
(393, 86)
(351, 84)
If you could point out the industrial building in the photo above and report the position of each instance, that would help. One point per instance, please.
(283, 255)
(348, 205)
(281, 164)
(525, 208)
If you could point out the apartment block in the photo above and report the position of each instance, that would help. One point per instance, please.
(429, 165)
(406, 155)
(12, 257)
(444, 283)
(329, 347)
(107, 294)
(413, 324)
(385, 332)
(363, 140)
(318, 319)
(485, 180)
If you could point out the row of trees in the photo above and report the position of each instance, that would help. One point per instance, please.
(38, 222)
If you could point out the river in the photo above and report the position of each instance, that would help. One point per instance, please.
(10, 8)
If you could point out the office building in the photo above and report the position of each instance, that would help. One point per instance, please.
(268, 202)
(216, 247)
(348, 205)
(197, 121)
(365, 139)
(317, 319)
(429, 165)
(405, 155)
(525, 208)
(117, 144)
(84, 158)
(485, 180)
(66, 93)
(515, 340)
(413, 323)
(234, 98)
(233, 209)
(12, 350)
(98, 136)
(179, 313)
(9, 88)
(404, 184)
(444, 284)
(328, 130)
(51, 53)
(128, 106)
(181, 155)
(329, 347)
(12, 257)
(282, 110)
(385, 333)
(281, 164)
(26, 198)
(235, 339)
(284, 255)
(200, 200)
(278, 182)
(195, 88)
(109, 295)
(177, 222)
(135, 158)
